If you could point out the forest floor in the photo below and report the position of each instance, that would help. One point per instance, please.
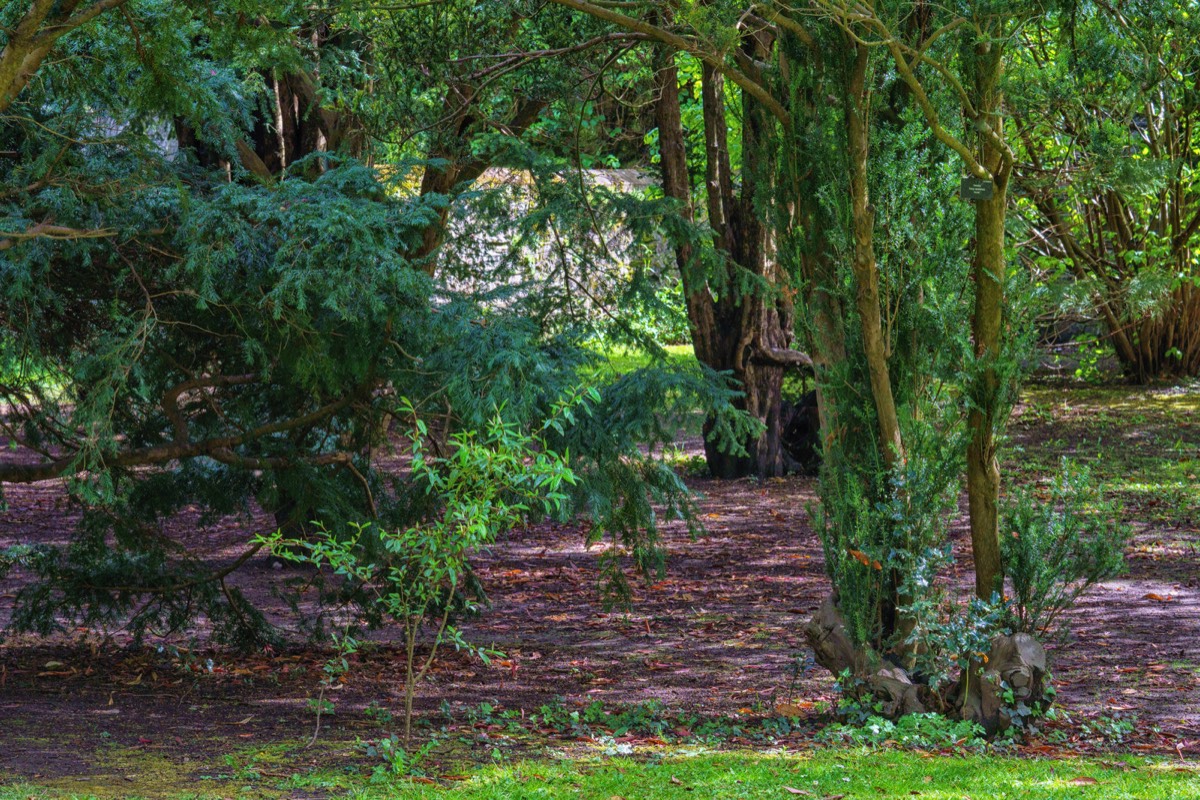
(703, 656)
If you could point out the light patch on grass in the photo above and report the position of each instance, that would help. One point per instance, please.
(622, 360)
(852, 774)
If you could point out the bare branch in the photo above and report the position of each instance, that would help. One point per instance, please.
(47, 230)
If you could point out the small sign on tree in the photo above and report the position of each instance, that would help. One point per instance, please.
(975, 189)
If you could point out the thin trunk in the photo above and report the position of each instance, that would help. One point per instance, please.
(876, 348)
(989, 271)
(866, 272)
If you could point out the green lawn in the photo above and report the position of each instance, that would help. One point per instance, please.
(621, 360)
(832, 773)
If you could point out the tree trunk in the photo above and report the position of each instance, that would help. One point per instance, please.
(989, 273)
(866, 272)
(746, 333)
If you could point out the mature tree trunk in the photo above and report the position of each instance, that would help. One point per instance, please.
(745, 332)
(33, 37)
(989, 274)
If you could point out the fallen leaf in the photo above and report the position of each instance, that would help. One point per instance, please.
(1083, 780)
(244, 721)
(792, 709)
(790, 790)
(1155, 596)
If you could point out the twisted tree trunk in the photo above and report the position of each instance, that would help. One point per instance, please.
(747, 332)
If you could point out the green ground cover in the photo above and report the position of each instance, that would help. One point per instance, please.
(659, 773)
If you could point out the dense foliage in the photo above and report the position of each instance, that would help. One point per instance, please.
(200, 324)
(251, 253)
(1106, 122)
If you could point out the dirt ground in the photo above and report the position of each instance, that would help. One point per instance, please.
(718, 637)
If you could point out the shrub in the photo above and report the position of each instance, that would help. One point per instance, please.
(1054, 549)
(414, 575)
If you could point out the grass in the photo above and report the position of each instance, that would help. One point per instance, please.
(621, 360)
(661, 773)
(1142, 443)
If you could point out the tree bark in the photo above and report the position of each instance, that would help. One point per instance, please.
(989, 274)
(747, 333)
(866, 273)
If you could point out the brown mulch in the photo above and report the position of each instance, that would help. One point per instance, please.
(720, 635)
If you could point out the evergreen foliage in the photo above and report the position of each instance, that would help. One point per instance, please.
(1102, 98)
(1058, 546)
(208, 340)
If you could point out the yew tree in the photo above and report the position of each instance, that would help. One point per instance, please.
(211, 306)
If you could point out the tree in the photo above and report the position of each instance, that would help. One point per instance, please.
(976, 80)
(1109, 174)
(888, 476)
(740, 307)
(247, 315)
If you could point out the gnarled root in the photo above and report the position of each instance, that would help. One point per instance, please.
(874, 680)
(1018, 662)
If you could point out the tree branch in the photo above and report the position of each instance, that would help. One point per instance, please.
(48, 230)
(33, 473)
(29, 43)
(715, 60)
(783, 358)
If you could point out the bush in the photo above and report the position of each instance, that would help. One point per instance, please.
(414, 575)
(1054, 549)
